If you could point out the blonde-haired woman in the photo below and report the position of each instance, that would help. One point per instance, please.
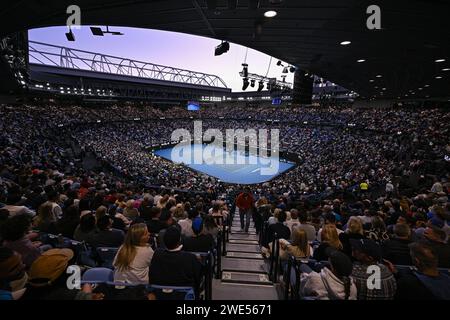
(274, 219)
(299, 247)
(133, 259)
(330, 238)
(178, 212)
(354, 230)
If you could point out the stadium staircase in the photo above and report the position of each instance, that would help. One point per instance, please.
(244, 270)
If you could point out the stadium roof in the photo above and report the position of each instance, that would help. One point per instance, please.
(305, 33)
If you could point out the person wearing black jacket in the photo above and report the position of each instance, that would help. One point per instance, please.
(278, 230)
(106, 236)
(396, 250)
(174, 267)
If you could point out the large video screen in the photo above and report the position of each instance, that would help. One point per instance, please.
(193, 106)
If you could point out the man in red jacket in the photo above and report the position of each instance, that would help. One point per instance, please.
(245, 202)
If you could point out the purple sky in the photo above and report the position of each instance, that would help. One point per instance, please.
(167, 48)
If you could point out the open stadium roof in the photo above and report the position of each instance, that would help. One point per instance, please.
(400, 59)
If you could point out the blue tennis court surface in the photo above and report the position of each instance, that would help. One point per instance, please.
(230, 167)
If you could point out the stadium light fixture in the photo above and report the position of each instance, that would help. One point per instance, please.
(345, 43)
(245, 84)
(439, 60)
(361, 60)
(96, 31)
(270, 14)
(222, 48)
(260, 86)
(245, 70)
(446, 69)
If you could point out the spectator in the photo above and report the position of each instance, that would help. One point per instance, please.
(354, 231)
(278, 230)
(427, 283)
(69, 222)
(45, 220)
(13, 277)
(48, 277)
(397, 250)
(199, 242)
(210, 227)
(367, 254)
(330, 238)
(377, 232)
(174, 267)
(15, 237)
(106, 236)
(435, 238)
(86, 229)
(308, 228)
(155, 225)
(186, 224)
(53, 198)
(330, 218)
(293, 221)
(130, 212)
(134, 257)
(13, 207)
(244, 202)
(330, 284)
(299, 247)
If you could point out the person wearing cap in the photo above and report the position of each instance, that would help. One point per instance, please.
(13, 277)
(367, 253)
(425, 283)
(199, 242)
(133, 258)
(334, 283)
(173, 266)
(47, 277)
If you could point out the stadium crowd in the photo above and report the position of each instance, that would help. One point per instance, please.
(371, 188)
